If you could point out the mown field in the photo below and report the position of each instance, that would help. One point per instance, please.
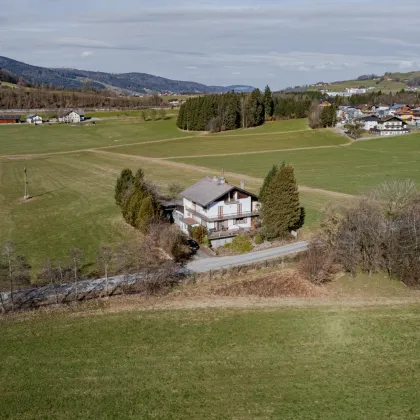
(285, 363)
(72, 171)
(350, 169)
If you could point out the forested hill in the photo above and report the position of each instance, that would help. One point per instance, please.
(124, 82)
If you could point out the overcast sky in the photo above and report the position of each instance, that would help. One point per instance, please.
(220, 42)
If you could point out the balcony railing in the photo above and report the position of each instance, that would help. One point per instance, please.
(229, 216)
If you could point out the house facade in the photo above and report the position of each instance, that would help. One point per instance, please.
(9, 119)
(391, 126)
(369, 122)
(71, 117)
(34, 119)
(223, 209)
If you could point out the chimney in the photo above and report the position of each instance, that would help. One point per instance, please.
(222, 180)
(242, 185)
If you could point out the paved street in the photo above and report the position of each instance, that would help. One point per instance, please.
(208, 264)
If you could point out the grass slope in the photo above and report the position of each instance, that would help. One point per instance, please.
(308, 363)
(218, 144)
(15, 139)
(351, 169)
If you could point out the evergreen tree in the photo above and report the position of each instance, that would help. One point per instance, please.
(145, 214)
(123, 185)
(268, 178)
(281, 211)
(268, 103)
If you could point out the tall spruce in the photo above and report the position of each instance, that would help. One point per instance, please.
(281, 210)
(268, 103)
(267, 180)
(124, 184)
(146, 214)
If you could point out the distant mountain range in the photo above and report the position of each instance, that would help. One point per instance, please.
(131, 83)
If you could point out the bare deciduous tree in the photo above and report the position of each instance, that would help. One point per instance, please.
(76, 258)
(104, 259)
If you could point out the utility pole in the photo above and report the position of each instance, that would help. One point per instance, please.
(26, 196)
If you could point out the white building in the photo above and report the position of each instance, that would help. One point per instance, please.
(223, 209)
(391, 126)
(355, 91)
(71, 117)
(369, 122)
(34, 119)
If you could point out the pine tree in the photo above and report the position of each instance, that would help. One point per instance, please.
(268, 103)
(281, 211)
(124, 183)
(145, 214)
(268, 178)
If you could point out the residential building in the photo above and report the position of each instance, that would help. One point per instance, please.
(397, 108)
(369, 122)
(355, 91)
(9, 119)
(72, 117)
(391, 126)
(223, 209)
(34, 119)
(405, 113)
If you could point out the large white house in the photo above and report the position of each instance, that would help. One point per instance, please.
(223, 209)
(391, 126)
(71, 117)
(34, 119)
(369, 122)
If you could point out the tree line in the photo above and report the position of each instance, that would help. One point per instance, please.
(21, 98)
(379, 232)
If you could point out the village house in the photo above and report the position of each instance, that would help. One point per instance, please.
(391, 126)
(72, 117)
(396, 108)
(9, 119)
(405, 113)
(369, 122)
(223, 209)
(34, 119)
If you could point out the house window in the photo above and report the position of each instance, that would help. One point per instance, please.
(242, 221)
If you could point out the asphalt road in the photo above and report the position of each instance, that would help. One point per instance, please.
(217, 263)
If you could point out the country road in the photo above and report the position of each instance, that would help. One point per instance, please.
(217, 263)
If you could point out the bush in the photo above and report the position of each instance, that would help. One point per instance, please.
(198, 233)
(258, 239)
(317, 264)
(241, 244)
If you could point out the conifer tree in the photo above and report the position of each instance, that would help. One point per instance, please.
(268, 178)
(281, 211)
(124, 183)
(145, 214)
(268, 103)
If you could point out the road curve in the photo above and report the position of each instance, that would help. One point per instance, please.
(217, 263)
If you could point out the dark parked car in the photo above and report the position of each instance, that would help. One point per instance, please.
(193, 245)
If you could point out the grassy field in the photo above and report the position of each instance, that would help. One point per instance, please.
(72, 190)
(124, 113)
(351, 169)
(291, 363)
(217, 144)
(15, 139)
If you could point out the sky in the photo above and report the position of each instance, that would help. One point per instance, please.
(221, 42)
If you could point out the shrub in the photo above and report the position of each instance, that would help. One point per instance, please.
(198, 233)
(258, 239)
(241, 244)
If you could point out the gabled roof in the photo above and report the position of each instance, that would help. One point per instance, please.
(370, 118)
(208, 190)
(386, 119)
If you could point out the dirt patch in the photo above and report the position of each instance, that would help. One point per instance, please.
(285, 283)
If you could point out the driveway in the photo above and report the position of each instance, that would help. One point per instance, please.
(217, 263)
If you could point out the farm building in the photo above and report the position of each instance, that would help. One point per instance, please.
(9, 119)
(34, 119)
(72, 117)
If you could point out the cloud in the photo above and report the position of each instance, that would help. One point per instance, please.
(290, 42)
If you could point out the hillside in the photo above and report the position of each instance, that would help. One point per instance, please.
(387, 83)
(125, 82)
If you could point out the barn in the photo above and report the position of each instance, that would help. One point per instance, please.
(9, 119)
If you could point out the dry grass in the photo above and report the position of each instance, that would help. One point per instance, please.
(284, 283)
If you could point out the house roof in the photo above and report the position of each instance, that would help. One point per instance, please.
(10, 117)
(390, 118)
(370, 118)
(32, 116)
(396, 106)
(208, 190)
